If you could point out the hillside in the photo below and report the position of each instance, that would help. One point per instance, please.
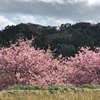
(65, 39)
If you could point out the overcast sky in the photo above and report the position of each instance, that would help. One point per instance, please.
(48, 12)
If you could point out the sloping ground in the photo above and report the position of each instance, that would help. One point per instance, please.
(81, 94)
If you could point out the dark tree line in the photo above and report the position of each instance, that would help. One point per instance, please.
(65, 39)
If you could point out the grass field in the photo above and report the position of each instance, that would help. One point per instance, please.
(53, 93)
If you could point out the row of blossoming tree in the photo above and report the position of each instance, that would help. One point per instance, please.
(22, 64)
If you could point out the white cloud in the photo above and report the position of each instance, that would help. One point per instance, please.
(59, 21)
(24, 0)
(93, 2)
(49, 12)
(4, 22)
(42, 20)
(26, 18)
(53, 1)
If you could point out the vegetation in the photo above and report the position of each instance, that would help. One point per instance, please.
(48, 71)
(84, 94)
(22, 64)
(69, 92)
(65, 40)
(54, 87)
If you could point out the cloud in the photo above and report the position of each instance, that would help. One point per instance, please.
(53, 1)
(94, 2)
(51, 11)
(43, 20)
(26, 18)
(4, 22)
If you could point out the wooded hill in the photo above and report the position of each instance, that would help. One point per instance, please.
(65, 39)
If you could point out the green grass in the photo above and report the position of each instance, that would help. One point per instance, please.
(28, 87)
(90, 86)
(54, 87)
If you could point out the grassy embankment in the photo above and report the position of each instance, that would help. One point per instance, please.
(85, 92)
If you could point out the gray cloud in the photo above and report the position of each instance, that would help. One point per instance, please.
(73, 10)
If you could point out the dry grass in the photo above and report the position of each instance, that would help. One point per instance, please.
(83, 94)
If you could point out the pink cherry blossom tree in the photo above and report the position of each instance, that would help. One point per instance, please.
(85, 67)
(22, 64)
